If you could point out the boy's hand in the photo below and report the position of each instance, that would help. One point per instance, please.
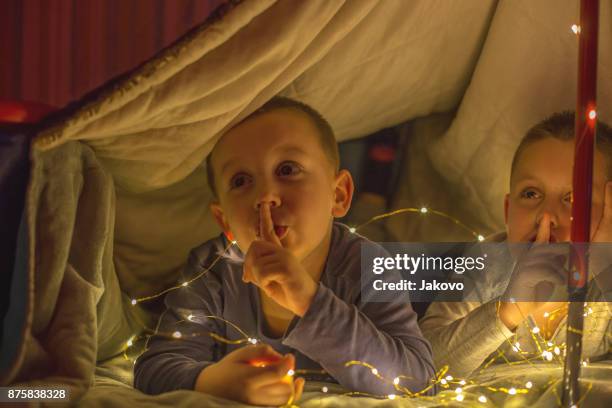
(238, 378)
(276, 270)
(536, 274)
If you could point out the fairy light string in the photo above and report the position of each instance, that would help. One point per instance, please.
(546, 348)
(421, 210)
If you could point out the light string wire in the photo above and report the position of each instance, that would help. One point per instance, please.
(422, 210)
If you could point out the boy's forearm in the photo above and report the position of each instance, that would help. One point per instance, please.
(164, 371)
(171, 363)
(333, 333)
(463, 335)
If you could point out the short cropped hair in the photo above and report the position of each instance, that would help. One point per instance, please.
(561, 126)
(325, 131)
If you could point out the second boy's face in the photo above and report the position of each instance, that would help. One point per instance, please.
(542, 183)
(276, 158)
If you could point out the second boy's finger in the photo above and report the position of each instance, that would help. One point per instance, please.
(543, 235)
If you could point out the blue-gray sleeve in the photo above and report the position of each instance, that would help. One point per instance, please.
(385, 335)
(173, 361)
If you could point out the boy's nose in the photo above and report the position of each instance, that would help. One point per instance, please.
(269, 197)
(272, 203)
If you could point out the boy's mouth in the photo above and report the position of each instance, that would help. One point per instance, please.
(280, 231)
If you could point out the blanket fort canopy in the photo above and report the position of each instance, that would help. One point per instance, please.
(117, 195)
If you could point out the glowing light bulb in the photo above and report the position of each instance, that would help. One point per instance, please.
(423, 210)
(130, 343)
(535, 330)
(482, 399)
(252, 340)
(458, 390)
(391, 396)
(374, 371)
(481, 238)
(592, 114)
(396, 380)
(512, 391)
(190, 317)
(459, 397)
(550, 344)
(528, 384)
(234, 242)
(443, 381)
(184, 284)
(290, 373)
(546, 314)
(557, 350)
(134, 301)
(177, 335)
(462, 382)
(449, 378)
(584, 363)
(576, 29)
(352, 229)
(324, 389)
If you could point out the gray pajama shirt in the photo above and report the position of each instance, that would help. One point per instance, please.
(337, 328)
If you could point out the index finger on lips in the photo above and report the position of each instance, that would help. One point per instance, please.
(266, 225)
(543, 235)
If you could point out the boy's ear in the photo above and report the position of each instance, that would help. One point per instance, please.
(343, 193)
(217, 212)
(506, 203)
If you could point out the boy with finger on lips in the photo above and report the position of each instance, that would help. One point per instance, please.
(528, 318)
(293, 279)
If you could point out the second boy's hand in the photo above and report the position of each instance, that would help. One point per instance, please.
(537, 271)
(276, 270)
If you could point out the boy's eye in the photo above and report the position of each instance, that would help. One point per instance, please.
(530, 194)
(569, 197)
(288, 169)
(238, 181)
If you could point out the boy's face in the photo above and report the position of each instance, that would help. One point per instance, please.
(542, 183)
(277, 158)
